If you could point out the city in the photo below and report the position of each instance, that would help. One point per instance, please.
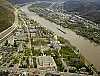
(33, 46)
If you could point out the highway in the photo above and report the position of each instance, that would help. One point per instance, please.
(6, 33)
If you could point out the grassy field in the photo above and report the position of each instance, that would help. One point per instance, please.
(6, 15)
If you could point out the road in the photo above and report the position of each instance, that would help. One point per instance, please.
(24, 23)
(6, 33)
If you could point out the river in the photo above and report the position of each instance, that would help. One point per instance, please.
(89, 50)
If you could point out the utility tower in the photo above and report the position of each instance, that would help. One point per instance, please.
(59, 7)
(60, 10)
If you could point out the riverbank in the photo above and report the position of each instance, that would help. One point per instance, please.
(81, 27)
(87, 49)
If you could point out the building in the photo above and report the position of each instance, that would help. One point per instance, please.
(46, 63)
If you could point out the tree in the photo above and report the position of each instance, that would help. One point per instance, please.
(6, 43)
(15, 45)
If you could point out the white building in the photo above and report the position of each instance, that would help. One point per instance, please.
(46, 63)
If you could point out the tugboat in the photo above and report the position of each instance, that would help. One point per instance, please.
(61, 30)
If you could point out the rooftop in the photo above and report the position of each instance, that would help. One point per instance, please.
(45, 62)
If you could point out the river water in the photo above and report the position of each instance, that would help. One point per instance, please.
(87, 49)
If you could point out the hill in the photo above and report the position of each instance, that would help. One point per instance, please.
(26, 1)
(20, 1)
(89, 9)
(6, 15)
